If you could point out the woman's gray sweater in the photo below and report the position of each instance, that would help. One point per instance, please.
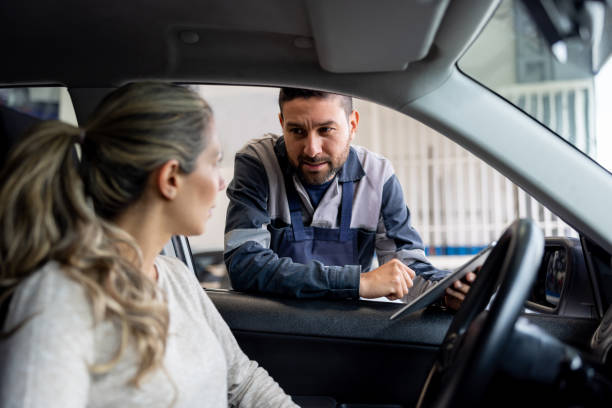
(46, 363)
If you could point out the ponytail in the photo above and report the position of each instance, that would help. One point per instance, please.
(43, 207)
(55, 207)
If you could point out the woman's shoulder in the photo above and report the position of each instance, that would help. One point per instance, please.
(48, 291)
(49, 338)
(50, 282)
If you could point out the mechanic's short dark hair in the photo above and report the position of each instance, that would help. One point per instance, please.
(289, 94)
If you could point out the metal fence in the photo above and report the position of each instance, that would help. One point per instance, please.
(566, 107)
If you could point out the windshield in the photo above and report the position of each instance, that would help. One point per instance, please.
(512, 58)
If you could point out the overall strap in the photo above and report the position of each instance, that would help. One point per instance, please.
(295, 209)
(346, 210)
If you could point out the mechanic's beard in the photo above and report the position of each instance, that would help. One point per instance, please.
(315, 179)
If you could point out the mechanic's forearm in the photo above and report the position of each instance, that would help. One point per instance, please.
(252, 267)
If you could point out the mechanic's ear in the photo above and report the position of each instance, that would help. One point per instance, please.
(169, 179)
(353, 120)
(280, 119)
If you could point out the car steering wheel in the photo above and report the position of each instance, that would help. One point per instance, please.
(475, 339)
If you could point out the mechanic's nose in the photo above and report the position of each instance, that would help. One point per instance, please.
(312, 147)
(222, 184)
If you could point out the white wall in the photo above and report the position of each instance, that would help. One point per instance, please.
(241, 113)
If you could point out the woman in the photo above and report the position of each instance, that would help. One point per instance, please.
(96, 316)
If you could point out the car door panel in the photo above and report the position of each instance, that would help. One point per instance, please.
(347, 319)
(348, 350)
(345, 350)
(348, 370)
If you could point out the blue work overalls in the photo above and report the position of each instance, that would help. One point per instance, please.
(330, 246)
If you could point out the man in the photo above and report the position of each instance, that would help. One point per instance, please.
(308, 211)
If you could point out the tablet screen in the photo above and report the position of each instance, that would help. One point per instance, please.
(435, 291)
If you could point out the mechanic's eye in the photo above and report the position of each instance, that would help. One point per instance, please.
(297, 131)
(326, 129)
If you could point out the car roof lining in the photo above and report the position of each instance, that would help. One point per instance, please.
(239, 42)
(373, 36)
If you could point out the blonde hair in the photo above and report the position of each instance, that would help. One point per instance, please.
(54, 207)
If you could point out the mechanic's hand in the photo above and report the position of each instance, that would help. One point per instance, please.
(393, 279)
(455, 293)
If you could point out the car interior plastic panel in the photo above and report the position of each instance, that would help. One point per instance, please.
(348, 39)
(235, 43)
(274, 328)
(268, 58)
(599, 263)
(85, 101)
(363, 320)
(346, 319)
(337, 367)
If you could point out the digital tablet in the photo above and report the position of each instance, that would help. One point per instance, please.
(436, 291)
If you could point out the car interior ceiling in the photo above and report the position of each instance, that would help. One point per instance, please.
(165, 52)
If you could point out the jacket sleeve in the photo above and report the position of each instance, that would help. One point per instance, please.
(397, 238)
(252, 265)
